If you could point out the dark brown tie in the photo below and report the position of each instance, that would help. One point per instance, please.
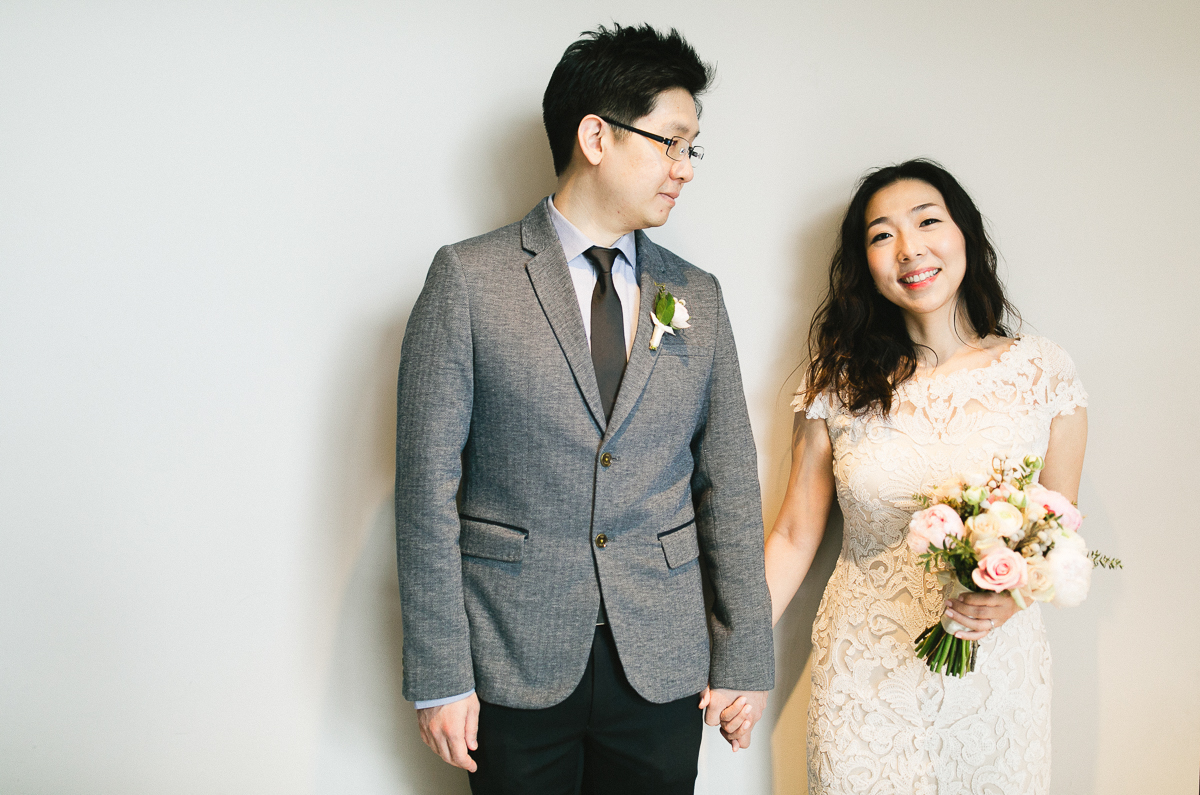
(608, 328)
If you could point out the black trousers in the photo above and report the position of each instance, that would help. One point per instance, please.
(604, 738)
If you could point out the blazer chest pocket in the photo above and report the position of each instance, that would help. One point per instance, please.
(681, 348)
(491, 541)
(679, 545)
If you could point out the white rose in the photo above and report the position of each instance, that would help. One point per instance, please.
(1071, 571)
(1062, 537)
(681, 316)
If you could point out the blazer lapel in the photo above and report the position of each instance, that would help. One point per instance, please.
(641, 358)
(556, 293)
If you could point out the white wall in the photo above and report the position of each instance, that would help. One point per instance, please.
(214, 220)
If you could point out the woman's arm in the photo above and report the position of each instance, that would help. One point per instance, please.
(801, 523)
(1064, 454)
(793, 541)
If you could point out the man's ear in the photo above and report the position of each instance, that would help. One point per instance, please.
(591, 139)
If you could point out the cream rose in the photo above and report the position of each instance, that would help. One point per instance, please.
(985, 532)
(1010, 517)
(1041, 578)
(951, 488)
(931, 526)
(1001, 570)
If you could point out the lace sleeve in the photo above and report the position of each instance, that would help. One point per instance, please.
(1063, 391)
(819, 410)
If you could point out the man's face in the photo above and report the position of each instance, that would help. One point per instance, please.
(640, 183)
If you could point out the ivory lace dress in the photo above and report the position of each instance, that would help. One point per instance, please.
(879, 721)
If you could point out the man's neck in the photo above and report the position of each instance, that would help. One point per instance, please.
(586, 209)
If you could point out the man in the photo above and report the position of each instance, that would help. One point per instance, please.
(560, 484)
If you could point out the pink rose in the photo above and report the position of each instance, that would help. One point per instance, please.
(1068, 515)
(1001, 570)
(1001, 492)
(931, 526)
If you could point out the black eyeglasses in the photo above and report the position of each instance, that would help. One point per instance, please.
(677, 148)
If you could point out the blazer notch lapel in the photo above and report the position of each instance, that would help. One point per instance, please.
(556, 293)
(641, 358)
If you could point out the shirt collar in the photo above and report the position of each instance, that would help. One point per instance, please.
(574, 242)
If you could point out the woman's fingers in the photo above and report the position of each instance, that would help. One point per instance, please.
(978, 626)
(980, 612)
(738, 706)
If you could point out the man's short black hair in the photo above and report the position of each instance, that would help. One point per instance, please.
(617, 73)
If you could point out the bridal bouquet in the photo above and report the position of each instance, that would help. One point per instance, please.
(998, 532)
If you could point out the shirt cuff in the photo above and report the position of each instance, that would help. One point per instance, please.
(441, 702)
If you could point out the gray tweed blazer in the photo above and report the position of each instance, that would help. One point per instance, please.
(507, 474)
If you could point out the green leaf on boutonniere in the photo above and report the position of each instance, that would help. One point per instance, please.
(664, 306)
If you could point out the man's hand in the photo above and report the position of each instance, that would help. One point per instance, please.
(451, 730)
(736, 710)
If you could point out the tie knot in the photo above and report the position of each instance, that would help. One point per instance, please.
(602, 258)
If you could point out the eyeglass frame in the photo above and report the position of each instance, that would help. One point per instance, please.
(693, 151)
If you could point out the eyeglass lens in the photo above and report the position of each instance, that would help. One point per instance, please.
(679, 149)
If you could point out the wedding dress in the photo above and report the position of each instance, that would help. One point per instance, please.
(879, 721)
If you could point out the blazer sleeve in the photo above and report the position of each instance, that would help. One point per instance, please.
(433, 418)
(729, 524)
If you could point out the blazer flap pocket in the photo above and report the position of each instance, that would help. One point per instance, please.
(680, 545)
(492, 541)
(683, 349)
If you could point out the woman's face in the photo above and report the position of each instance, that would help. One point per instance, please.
(915, 251)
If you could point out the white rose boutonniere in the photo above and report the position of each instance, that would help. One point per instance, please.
(668, 313)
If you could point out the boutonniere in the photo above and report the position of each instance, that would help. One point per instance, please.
(668, 314)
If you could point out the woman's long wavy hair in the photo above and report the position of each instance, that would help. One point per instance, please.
(859, 346)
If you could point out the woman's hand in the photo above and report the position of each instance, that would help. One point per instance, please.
(980, 612)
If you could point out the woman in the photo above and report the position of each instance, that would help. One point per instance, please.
(914, 378)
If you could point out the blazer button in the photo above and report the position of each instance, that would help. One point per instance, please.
(602, 541)
(605, 460)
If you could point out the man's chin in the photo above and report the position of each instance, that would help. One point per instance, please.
(656, 219)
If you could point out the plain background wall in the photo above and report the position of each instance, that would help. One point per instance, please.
(215, 218)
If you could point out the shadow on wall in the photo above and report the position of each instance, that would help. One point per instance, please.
(369, 742)
(368, 736)
(1074, 646)
(517, 173)
(787, 708)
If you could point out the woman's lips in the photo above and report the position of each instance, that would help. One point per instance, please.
(925, 277)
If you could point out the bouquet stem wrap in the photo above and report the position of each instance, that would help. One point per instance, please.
(937, 645)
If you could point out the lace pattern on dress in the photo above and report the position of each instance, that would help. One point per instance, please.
(879, 721)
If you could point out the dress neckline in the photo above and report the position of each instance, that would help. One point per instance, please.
(1005, 356)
